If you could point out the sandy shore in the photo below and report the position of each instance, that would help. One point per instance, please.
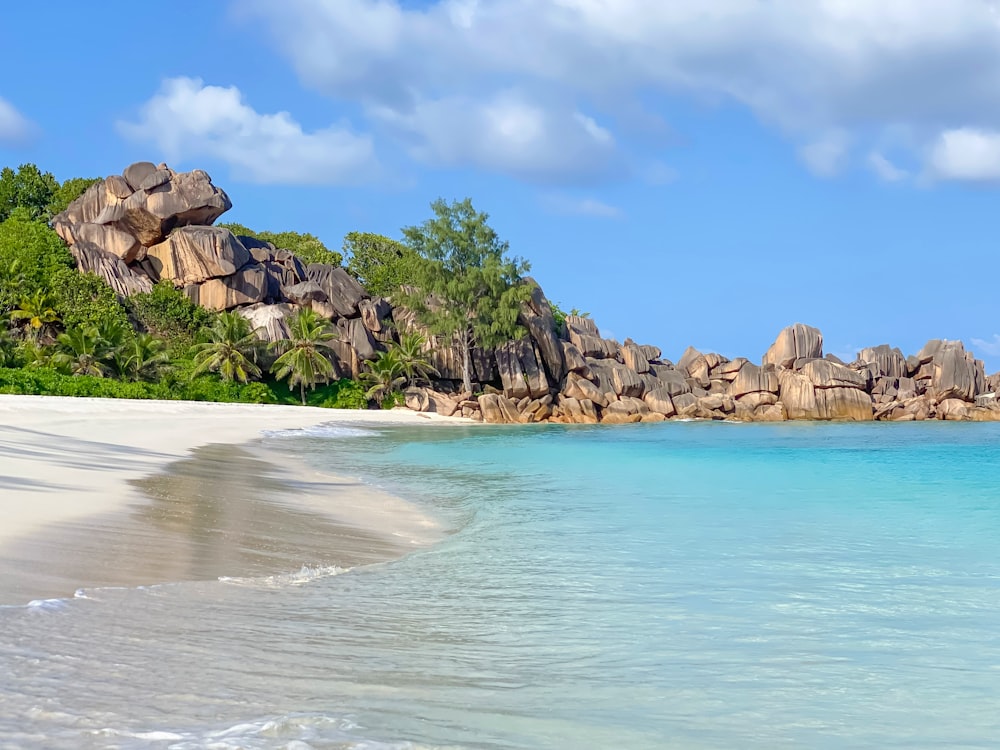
(102, 491)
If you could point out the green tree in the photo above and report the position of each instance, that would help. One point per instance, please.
(412, 355)
(465, 287)
(381, 264)
(82, 351)
(305, 358)
(384, 376)
(231, 349)
(27, 188)
(307, 247)
(36, 312)
(143, 357)
(68, 192)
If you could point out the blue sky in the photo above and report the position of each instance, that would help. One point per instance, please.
(690, 173)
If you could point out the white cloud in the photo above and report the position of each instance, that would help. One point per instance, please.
(188, 120)
(808, 69)
(15, 128)
(563, 204)
(966, 154)
(885, 169)
(507, 133)
(990, 346)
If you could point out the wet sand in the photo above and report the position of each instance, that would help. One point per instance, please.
(124, 493)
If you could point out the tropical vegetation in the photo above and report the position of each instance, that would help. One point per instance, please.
(63, 332)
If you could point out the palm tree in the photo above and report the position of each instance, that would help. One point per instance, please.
(231, 349)
(37, 311)
(305, 358)
(81, 352)
(142, 358)
(384, 376)
(410, 351)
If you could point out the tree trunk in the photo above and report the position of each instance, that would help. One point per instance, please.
(466, 362)
(302, 390)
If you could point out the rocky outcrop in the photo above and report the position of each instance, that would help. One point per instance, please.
(795, 342)
(152, 224)
(146, 202)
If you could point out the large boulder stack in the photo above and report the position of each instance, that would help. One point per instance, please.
(153, 224)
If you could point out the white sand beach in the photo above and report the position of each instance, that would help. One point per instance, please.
(67, 461)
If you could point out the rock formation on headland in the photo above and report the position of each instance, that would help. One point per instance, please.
(152, 223)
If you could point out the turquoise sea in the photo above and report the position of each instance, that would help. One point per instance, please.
(683, 585)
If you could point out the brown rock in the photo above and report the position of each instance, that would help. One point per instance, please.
(578, 387)
(124, 281)
(489, 406)
(245, 287)
(659, 401)
(574, 360)
(752, 379)
(352, 331)
(685, 404)
(536, 316)
(520, 372)
(194, 254)
(269, 322)
(826, 374)
(634, 358)
(888, 362)
(342, 290)
(376, 314)
(795, 342)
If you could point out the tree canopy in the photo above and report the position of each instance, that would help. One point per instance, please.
(465, 287)
(381, 264)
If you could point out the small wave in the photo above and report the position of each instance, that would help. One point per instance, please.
(294, 731)
(322, 430)
(299, 578)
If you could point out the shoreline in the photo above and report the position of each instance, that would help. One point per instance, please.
(113, 492)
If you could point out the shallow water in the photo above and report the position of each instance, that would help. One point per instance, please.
(678, 585)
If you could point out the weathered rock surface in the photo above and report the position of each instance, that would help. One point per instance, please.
(342, 290)
(194, 254)
(246, 286)
(795, 342)
(113, 270)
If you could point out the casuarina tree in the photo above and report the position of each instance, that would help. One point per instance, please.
(465, 287)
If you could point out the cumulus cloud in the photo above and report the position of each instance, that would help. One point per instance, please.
(15, 128)
(507, 133)
(808, 69)
(966, 154)
(988, 346)
(570, 206)
(189, 120)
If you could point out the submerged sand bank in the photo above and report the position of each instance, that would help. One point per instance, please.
(97, 492)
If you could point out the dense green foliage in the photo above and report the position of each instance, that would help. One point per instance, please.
(307, 247)
(28, 188)
(30, 253)
(381, 264)
(170, 315)
(465, 286)
(67, 333)
(83, 300)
